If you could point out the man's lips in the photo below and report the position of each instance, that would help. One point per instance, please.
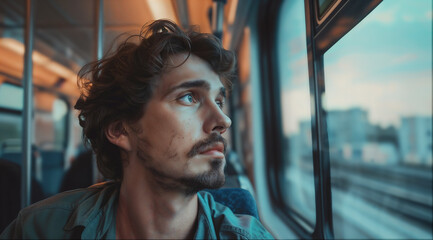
(216, 149)
(215, 144)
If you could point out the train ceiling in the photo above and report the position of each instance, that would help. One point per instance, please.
(64, 29)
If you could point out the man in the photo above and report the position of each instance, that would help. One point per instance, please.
(153, 114)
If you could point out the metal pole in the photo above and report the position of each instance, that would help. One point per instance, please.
(28, 108)
(218, 17)
(99, 29)
(182, 12)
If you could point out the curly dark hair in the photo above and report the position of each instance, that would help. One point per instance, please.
(117, 87)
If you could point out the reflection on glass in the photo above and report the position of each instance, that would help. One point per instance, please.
(298, 183)
(379, 116)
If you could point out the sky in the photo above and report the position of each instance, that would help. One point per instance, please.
(383, 65)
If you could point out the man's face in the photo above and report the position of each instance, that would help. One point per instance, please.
(178, 140)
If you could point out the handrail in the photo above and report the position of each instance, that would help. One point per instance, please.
(28, 107)
(99, 29)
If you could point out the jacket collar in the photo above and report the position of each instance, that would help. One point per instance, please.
(205, 226)
(95, 211)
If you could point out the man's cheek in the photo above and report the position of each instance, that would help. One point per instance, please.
(174, 147)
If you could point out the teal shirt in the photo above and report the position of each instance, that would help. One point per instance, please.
(91, 214)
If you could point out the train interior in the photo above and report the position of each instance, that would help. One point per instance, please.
(351, 161)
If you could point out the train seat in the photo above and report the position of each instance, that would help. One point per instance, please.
(10, 187)
(235, 173)
(239, 200)
(47, 165)
(53, 169)
(80, 173)
(11, 150)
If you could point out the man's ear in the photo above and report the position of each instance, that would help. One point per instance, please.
(116, 133)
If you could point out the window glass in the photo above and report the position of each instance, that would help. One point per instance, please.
(323, 5)
(10, 128)
(298, 179)
(50, 118)
(11, 97)
(378, 105)
(49, 137)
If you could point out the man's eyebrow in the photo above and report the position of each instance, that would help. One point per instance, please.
(198, 84)
(192, 84)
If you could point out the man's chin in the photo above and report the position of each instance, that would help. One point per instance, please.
(217, 164)
(210, 180)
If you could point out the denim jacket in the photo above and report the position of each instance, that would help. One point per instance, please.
(91, 214)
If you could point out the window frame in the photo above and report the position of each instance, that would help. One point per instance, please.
(321, 36)
(272, 116)
(320, 19)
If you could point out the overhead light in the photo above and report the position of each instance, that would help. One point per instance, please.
(162, 9)
(38, 58)
(232, 11)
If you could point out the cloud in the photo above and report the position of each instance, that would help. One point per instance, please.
(383, 14)
(405, 58)
(429, 15)
(388, 74)
(408, 18)
(386, 96)
(295, 105)
(297, 45)
(299, 69)
(389, 12)
(411, 17)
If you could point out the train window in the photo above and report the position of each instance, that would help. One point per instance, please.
(10, 130)
(49, 141)
(50, 117)
(8, 92)
(10, 127)
(50, 138)
(378, 106)
(10, 123)
(297, 188)
(324, 5)
(11, 103)
(324, 8)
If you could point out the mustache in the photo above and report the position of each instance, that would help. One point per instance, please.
(205, 143)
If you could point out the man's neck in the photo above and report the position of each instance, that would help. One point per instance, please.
(149, 212)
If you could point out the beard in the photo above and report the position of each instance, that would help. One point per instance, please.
(188, 184)
(212, 179)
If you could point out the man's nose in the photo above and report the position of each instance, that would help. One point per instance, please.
(223, 125)
(217, 121)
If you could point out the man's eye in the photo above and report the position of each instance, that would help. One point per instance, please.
(188, 98)
(220, 104)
